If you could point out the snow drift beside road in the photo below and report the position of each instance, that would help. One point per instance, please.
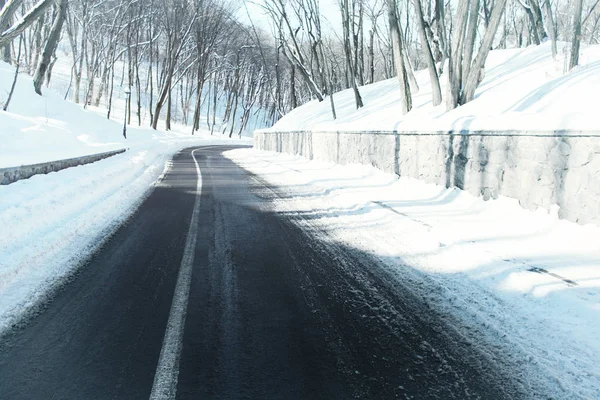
(523, 89)
(525, 282)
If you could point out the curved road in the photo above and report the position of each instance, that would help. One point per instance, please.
(256, 308)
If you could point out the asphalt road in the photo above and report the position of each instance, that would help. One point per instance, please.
(267, 311)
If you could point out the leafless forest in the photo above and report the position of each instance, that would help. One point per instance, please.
(202, 54)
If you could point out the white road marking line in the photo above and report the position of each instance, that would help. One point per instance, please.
(167, 370)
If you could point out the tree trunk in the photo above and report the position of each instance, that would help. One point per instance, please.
(77, 52)
(293, 98)
(138, 87)
(576, 39)
(440, 27)
(129, 77)
(215, 98)
(359, 45)
(14, 83)
(350, 60)
(161, 100)
(150, 78)
(50, 47)
(50, 68)
(37, 44)
(539, 22)
(551, 27)
(372, 55)
(200, 86)
(470, 37)
(208, 103)
(453, 91)
(414, 85)
(111, 89)
(232, 119)
(331, 90)
(486, 13)
(6, 36)
(196, 120)
(475, 74)
(91, 74)
(6, 56)
(533, 32)
(169, 105)
(397, 47)
(278, 80)
(433, 76)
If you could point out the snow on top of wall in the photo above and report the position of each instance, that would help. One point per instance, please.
(523, 89)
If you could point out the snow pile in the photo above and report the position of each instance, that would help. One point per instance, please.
(523, 89)
(51, 223)
(526, 282)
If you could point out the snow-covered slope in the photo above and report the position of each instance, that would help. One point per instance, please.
(50, 223)
(45, 128)
(523, 89)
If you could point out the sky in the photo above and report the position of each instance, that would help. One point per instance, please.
(329, 10)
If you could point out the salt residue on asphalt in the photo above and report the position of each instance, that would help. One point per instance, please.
(503, 272)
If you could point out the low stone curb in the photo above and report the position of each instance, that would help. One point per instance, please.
(13, 174)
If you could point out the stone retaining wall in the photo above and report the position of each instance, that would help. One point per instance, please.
(13, 174)
(539, 169)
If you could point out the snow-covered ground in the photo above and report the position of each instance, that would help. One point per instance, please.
(523, 89)
(45, 128)
(51, 223)
(527, 281)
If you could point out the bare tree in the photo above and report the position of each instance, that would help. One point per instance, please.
(291, 45)
(440, 37)
(551, 26)
(210, 27)
(14, 82)
(576, 38)
(454, 87)
(50, 46)
(426, 48)
(476, 72)
(178, 22)
(398, 50)
(374, 10)
(534, 14)
(6, 56)
(470, 35)
(6, 14)
(309, 12)
(352, 21)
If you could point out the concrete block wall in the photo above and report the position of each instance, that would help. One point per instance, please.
(539, 169)
(13, 174)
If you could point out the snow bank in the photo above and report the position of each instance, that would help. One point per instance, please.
(51, 223)
(522, 286)
(539, 171)
(523, 89)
